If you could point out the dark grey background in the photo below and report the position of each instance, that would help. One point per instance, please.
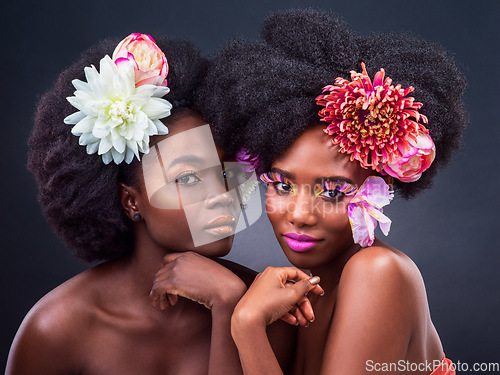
(450, 231)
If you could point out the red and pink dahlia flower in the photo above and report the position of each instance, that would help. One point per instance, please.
(371, 122)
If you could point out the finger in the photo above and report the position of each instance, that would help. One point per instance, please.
(171, 257)
(297, 313)
(290, 319)
(172, 299)
(155, 299)
(289, 283)
(305, 307)
(163, 302)
(318, 290)
(291, 274)
(302, 287)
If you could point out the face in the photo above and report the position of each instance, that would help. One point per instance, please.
(309, 188)
(187, 197)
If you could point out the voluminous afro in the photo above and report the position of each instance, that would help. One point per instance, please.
(79, 194)
(264, 92)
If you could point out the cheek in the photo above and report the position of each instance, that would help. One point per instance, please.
(170, 229)
(332, 213)
(335, 219)
(335, 224)
(276, 206)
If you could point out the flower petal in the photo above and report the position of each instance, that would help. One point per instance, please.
(162, 129)
(92, 148)
(84, 126)
(104, 146)
(117, 156)
(74, 118)
(157, 108)
(365, 210)
(107, 157)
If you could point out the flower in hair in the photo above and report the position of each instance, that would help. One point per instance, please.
(116, 117)
(247, 161)
(365, 210)
(150, 63)
(414, 160)
(376, 123)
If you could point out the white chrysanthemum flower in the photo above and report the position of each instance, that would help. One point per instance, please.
(115, 118)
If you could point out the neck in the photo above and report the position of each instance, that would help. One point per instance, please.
(330, 272)
(145, 260)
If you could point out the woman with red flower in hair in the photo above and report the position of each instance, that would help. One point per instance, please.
(332, 143)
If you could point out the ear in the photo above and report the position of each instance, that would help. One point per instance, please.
(130, 200)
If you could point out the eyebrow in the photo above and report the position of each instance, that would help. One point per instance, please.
(286, 174)
(318, 180)
(185, 159)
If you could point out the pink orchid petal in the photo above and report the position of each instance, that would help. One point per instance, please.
(365, 210)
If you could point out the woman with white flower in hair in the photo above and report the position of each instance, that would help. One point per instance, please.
(334, 121)
(119, 180)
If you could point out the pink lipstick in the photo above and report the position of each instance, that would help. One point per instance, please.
(300, 242)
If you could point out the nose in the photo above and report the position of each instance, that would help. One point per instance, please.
(300, 211)
(224, 199)
(218, 194)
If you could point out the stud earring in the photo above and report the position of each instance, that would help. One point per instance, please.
(137, 217)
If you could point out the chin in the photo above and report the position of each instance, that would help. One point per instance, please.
(302, 260)
(216, 249)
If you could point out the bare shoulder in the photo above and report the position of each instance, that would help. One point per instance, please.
(380, 305)
(381, 283)
(53, 329)
(382, 267)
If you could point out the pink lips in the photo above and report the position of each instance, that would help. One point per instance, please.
(300, 242)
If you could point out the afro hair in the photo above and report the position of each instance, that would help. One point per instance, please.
(264, 92)
(79, 194)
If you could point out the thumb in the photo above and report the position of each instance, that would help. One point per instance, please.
(304, 286)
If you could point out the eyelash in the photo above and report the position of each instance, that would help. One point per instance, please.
(340, 189)
(187, 174)
(277, 180)
(227, 174)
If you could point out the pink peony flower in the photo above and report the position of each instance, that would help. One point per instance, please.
(414, 160)
(150, 63)
(371, 122)
(365, 210)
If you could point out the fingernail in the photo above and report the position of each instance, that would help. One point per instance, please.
(307, 325)
(312, 320)
(296, 323)
(314, 280)
(322, 294)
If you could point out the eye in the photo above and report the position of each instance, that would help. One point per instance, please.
(334, 190)
(280, 183)
(283, 187)
(331, 194)
(229, 174)
(234, 177)
(188, 178)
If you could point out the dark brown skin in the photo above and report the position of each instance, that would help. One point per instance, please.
(108, 319)
(375, 305)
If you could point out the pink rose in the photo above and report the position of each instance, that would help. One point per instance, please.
(414, 160)
(150, 62)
